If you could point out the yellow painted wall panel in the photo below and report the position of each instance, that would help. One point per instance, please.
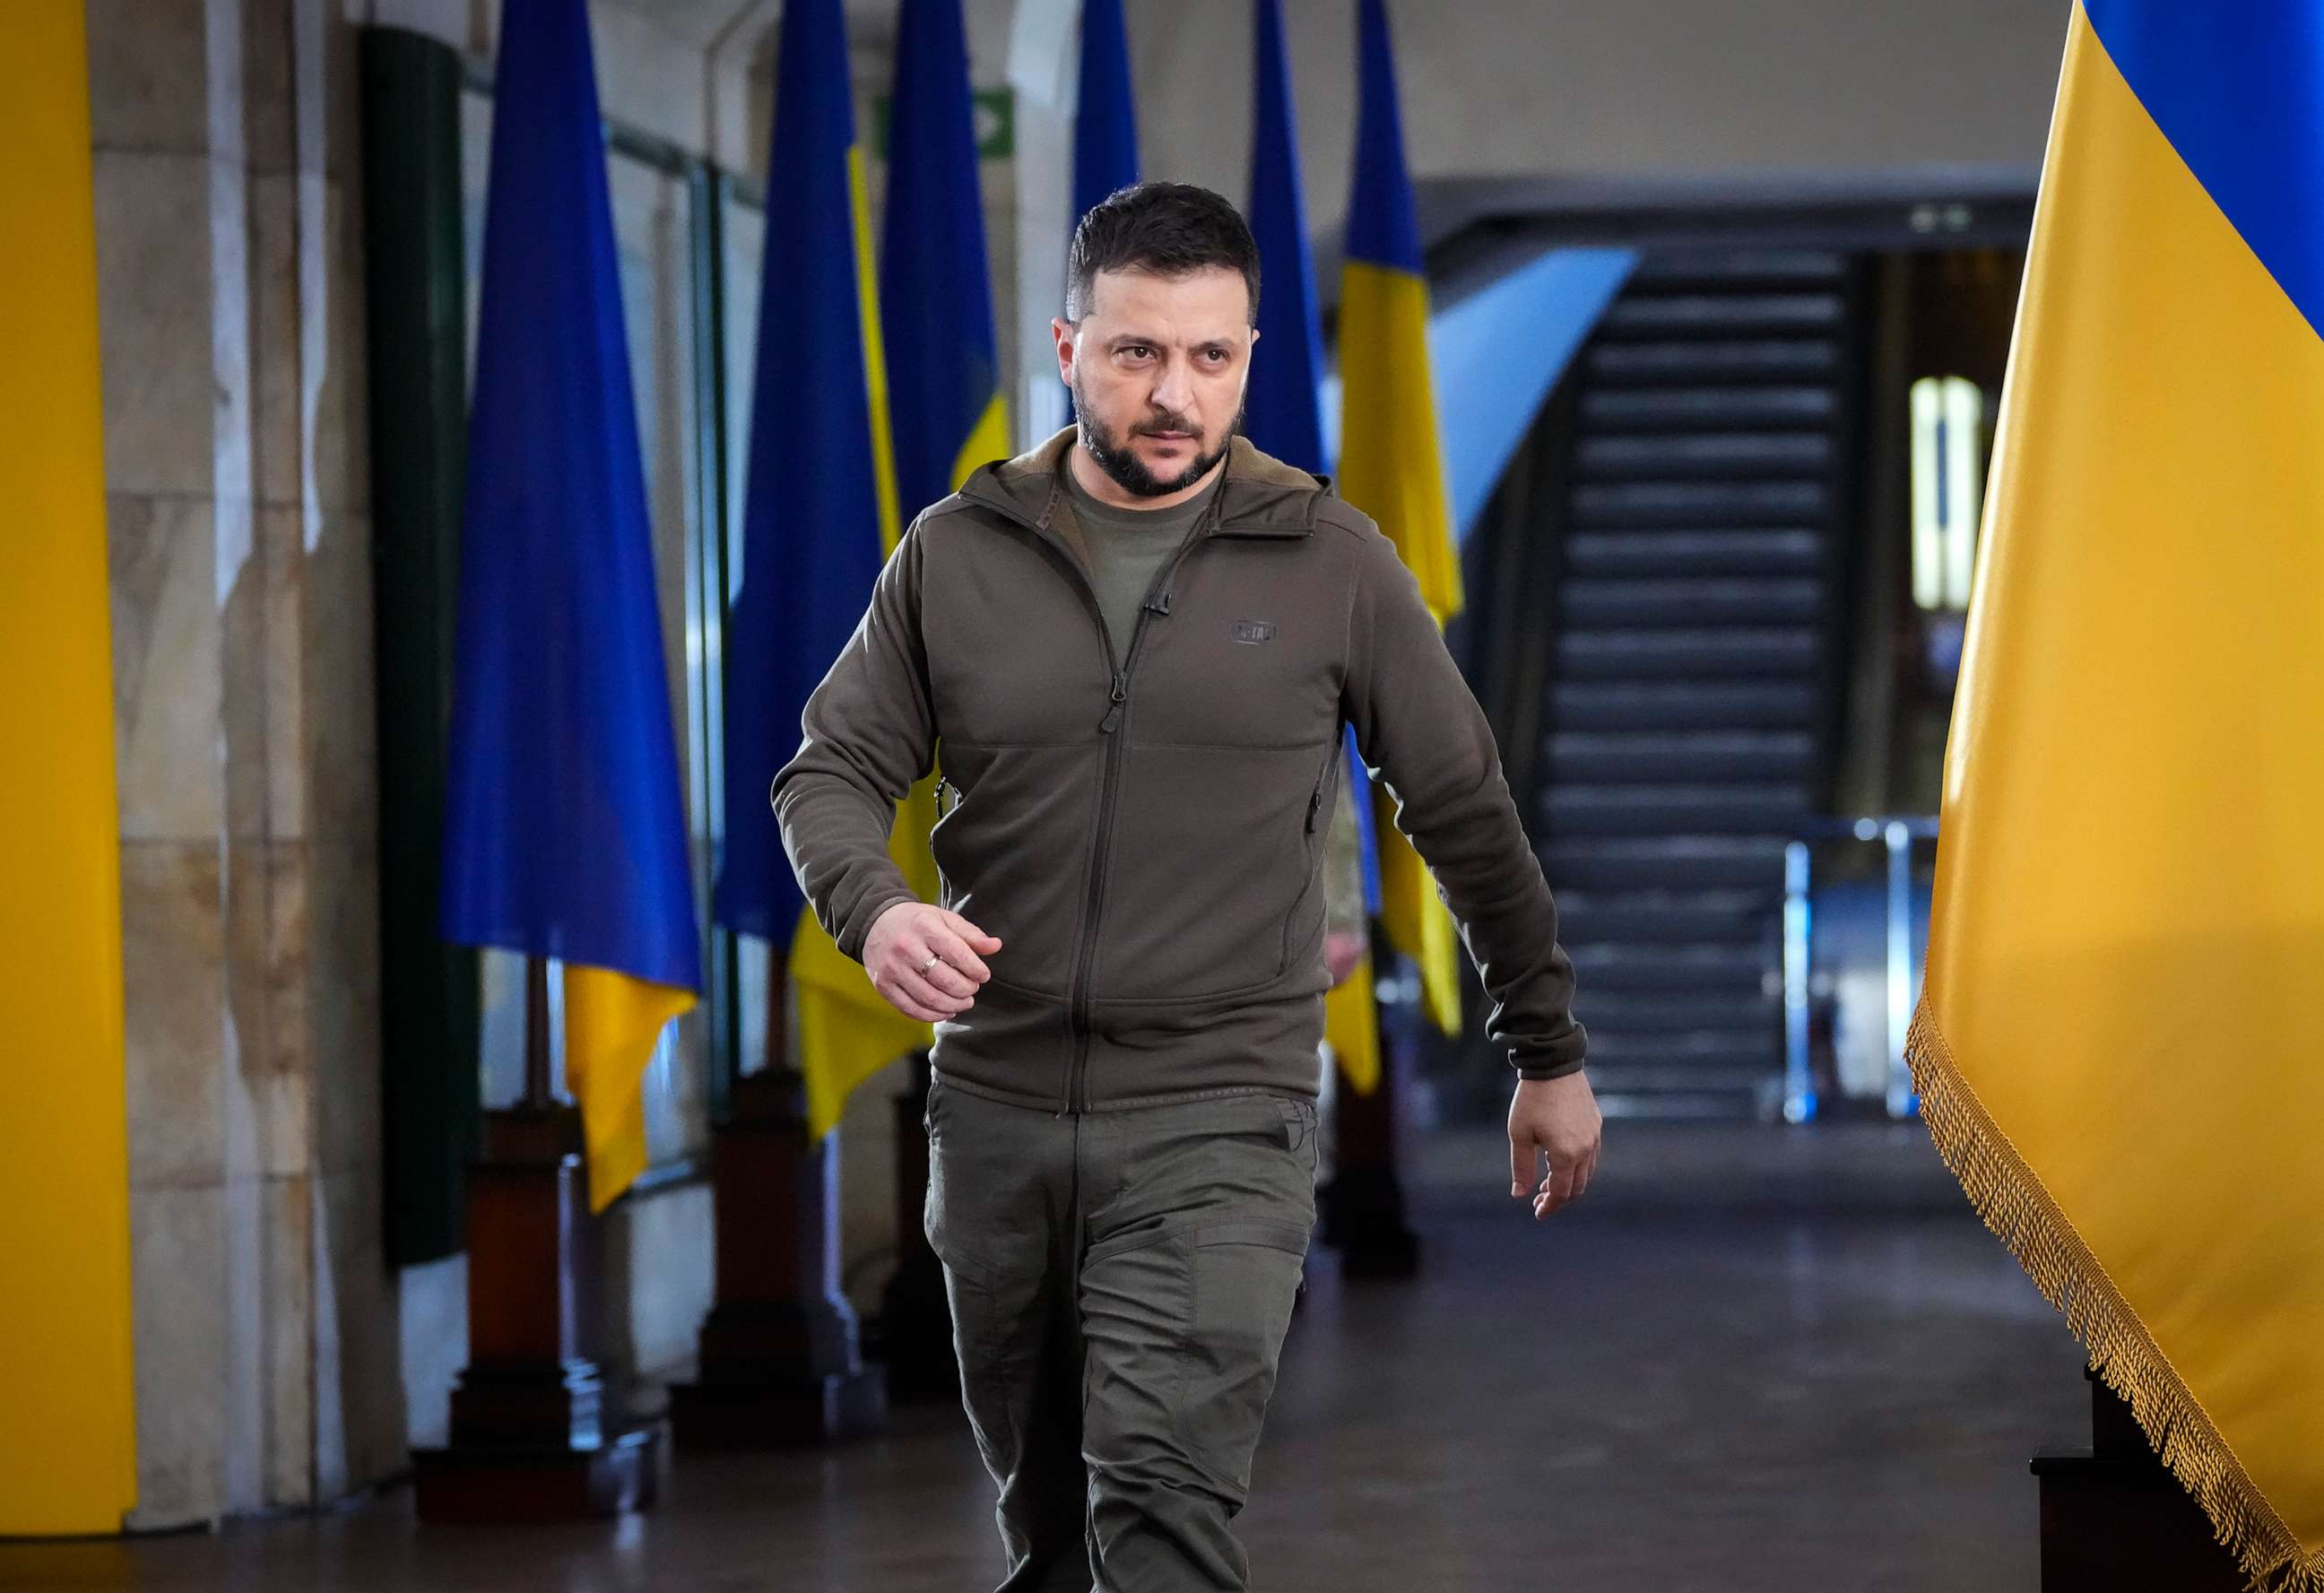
(68, 1439)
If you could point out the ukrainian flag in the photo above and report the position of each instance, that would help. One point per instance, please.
(565, 830)
(1283, 415)
(2116, 1049)
(1391, 461)
(819, 519)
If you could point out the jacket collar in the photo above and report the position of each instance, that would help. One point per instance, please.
(1260, 497)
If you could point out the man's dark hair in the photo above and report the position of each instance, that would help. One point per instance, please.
(1169, 229)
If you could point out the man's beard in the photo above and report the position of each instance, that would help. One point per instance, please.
(1129, 472)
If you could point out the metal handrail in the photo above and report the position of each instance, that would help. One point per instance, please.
(1896, 831)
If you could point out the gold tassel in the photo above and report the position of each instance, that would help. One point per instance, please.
(2021, 1215)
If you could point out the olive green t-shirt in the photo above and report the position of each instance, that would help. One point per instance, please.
(1126, 547)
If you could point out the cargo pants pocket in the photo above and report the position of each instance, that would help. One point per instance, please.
(1302, 1129)
(993, 1253)
(1242, 1279)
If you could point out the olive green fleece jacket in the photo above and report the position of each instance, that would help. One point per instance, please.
(1146, 840)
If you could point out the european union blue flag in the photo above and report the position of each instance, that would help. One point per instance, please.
(565, 830)
(1105, 118)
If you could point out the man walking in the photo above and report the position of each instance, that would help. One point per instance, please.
(1137, 645)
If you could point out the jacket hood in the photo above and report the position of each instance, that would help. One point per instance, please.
(1261, 496)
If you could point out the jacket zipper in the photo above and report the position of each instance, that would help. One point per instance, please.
(1315, 817)
(1324, 777)
(1157, 601)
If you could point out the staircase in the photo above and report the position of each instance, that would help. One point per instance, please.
(1693, 686)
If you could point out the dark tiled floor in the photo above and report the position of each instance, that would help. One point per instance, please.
(1751, 1361)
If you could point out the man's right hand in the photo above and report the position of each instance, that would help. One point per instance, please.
(898, 952)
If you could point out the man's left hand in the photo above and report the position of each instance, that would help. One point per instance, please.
(1558, 1119)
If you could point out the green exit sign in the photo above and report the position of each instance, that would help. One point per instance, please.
(995, 111)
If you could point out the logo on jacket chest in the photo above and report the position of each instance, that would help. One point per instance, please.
(1253, 631)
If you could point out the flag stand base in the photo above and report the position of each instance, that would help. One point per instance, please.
(2114, 1520)
(532, 1436)
(1363, 1220)
(778, 1366)
(1362, 1207)
(912, 1336)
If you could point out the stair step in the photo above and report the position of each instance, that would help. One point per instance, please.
(1673, 862)
(1662, 810)
(1625, 1101)
(1722, 315)
(1666, 269)
(1655, 1075)
(1661, 455)
(1660, 654)
(1691, 704)
(1683, 506)
(1732, 914)
(1607, 757)
(1694, 362)
(1694, 553)
(1705, 409)
(1703, 1057)
(1589, 600)
(1692, 966)
(1619, 1014)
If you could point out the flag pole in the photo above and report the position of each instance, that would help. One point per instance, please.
(2113, 1515)
(534, 1435)
(539, 1094)
(779, 1359)
(1362, 1205)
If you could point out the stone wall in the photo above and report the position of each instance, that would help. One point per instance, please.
(231, 315)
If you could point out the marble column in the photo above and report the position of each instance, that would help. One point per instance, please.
(229, 272)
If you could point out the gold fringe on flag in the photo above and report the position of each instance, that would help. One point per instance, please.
(2013, 1203)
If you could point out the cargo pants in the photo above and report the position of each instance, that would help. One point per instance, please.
(1120, 1283)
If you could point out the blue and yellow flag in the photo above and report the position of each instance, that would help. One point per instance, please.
(1105, 117)
(819, 518)
(1283, 415)
(1392, 460)
(2116, 1047)
(565, 830)
(936, 294)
